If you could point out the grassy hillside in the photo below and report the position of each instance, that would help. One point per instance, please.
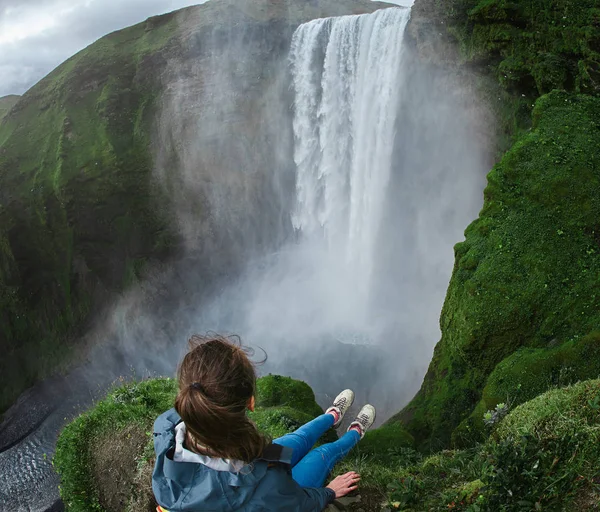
(526, 276)
(6, 103)
(523, 307)
(542, 456)
(79, 215)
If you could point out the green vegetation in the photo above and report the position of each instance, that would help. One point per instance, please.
(283, 405)
(534, 46)
(278, 391)
(530, 47)
(542, 456)
(526, 276)
(79, 213)
(525, 279)
(546, 452)
(380, 441)
(105, 427)
(105, 456)
(519, 50)
(531, 371)
(6, 103)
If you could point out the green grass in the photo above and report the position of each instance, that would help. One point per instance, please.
(140, 404)
(545, 452)
(526, 274)
(6, 103)
(79, 211)
(542, 456)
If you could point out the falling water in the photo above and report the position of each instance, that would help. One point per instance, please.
(388, 173)
(347, 76)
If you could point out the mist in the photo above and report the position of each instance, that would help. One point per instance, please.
(227, 159)
(331, 302)
(317, 179)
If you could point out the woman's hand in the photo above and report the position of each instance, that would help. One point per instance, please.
(344, 484)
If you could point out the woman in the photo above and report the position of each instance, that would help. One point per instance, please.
(211, 457)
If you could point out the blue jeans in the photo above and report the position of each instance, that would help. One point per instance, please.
(310, 468)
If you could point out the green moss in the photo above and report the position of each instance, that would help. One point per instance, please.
(527, 273)
(79, 210)
(528, 47)
(275, 390)
(536, 46)
(528, 373)
(138, 403)
(141, 403)
(284, 404)
(383, 440)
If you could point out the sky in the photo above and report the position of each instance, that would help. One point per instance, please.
(38, 35)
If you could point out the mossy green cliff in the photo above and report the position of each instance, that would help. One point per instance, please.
(522, 311)
(79, 215)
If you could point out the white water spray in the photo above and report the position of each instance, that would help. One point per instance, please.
(347, 76)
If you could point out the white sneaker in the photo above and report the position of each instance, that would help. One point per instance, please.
(341, 404)
(364, 420)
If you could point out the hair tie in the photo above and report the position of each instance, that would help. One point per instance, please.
(199, 387)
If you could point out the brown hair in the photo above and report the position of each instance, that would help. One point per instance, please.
(216, 382)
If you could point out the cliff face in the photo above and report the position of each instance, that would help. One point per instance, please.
(135, 151)
(78, 214)
(521, 312)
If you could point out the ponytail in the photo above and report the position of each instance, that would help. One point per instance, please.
(217, 380)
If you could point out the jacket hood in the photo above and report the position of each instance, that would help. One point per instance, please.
(178, 485)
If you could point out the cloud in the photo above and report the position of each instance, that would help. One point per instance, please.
(37, 36)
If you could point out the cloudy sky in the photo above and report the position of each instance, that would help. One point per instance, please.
(37, 35)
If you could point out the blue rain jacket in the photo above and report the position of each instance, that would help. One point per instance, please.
(264, 485)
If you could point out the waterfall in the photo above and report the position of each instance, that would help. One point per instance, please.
(347, 78)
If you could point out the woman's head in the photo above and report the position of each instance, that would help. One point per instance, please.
(217, 383)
